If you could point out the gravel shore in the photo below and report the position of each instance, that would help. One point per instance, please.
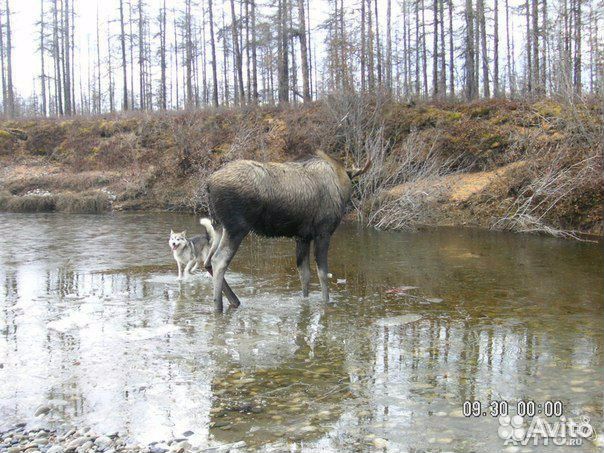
(84, 440)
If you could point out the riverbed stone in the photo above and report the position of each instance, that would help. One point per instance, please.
(102, 442)
(42, 410)
(77, 442)
(55, 449)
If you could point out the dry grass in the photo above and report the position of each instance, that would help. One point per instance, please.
(86, 203)
(422, 156)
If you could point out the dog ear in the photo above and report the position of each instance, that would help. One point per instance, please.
(171, 231)
(184, 233)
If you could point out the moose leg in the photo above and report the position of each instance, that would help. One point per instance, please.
(229, 243)
(303, 263)
(321, 249)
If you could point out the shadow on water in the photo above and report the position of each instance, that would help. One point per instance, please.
(94, 324)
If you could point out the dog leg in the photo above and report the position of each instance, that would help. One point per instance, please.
(195, 266)
(188, 269)
(179, 270)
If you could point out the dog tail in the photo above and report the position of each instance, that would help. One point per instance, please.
(207, 224)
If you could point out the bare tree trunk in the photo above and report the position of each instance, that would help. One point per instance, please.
(451, 52)
(378, 45)
(283, 51)
(469, 53)
(141, 56)
(225, 62)
(42, 52)
(363, 48)
(3, 68)
(389, 46)
(417, 49)
(110, 72)
(254, 54)
(371, 76)
(213, 47)
(248, 65)
(424, 50)
(496, 50)
(188, 56)
(123, 43)
(10, 94)
(544, 47)
(98, 64)
(536, 76)
(529, 60)
(443, 52)
(577, 62)
(131, 47)
(237, 53)
(162, 57)
(176, 49)
(435, 50)
(303, 52)
(67, 50)
(485, 55)
(508, 52)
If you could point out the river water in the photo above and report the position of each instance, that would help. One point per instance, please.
(94, 325)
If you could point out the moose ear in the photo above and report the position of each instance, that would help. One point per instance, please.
(356, 171)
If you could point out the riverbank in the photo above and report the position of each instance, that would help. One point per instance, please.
(512, 165)
(20, 438)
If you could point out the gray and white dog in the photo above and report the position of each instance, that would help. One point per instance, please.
(191, 252)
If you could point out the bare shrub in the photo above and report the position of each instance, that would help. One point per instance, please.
(554, 178)
(400, 191)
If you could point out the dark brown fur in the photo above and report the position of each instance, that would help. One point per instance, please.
(304, 200)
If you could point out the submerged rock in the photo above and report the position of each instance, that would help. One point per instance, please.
(399, 320)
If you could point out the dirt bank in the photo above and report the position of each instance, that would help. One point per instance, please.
(524, 166)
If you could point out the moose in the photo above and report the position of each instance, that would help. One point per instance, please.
(303, 199)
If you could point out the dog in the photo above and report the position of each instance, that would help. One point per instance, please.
(191, 252)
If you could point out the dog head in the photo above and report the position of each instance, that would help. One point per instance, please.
(177, 240)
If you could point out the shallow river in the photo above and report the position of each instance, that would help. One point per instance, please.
(94, 324)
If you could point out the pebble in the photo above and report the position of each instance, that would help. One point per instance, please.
(378, 442)
(180, 447)
(55, 449)
(77, 442)
(42, 410)
(157, 449)
(102, 442)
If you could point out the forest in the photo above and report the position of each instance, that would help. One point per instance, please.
(158, 55)
(475, 113)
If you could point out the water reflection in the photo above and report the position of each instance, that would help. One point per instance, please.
(93, 323)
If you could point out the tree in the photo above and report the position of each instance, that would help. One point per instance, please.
(486, 90)
(162, 57)
(123, 45)
(213, 49)
(303, 52)
(283, 13)
(469, 67)
(237, 53)
(10, 94)
(42, 51)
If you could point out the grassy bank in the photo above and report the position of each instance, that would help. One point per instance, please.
(523, 166)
